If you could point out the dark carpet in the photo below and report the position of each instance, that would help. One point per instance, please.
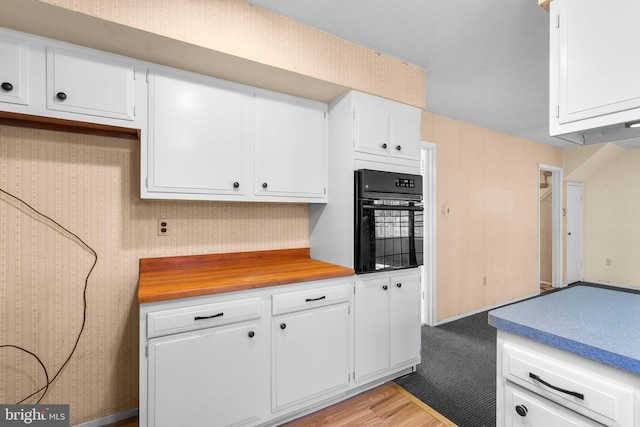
(457, 376)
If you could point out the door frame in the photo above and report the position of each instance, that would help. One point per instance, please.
(428, 281)
(556, 223)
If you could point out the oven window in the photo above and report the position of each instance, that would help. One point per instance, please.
(392, 235)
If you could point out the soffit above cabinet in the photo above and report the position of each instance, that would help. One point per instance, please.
(35, 17)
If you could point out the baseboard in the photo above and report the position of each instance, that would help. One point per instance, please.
(480, 310)
(110, 419)
(614, 285)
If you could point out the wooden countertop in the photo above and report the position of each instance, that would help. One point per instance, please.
(187, 276)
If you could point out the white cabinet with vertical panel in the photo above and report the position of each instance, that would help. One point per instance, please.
(199, 135)
(310, 350)
(385, 128)
(290, 146)
(387, 323)
(14, 70)
(83, 83)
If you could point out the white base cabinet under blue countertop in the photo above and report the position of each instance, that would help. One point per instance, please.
(569, 358)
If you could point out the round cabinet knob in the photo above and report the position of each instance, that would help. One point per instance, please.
(7, 86)
(385, 287)
(384, 146)
(61, 96)
(521, 410)
(251, 334)
(399, 285)
(236, 184)
(264, 185)
(398, 147)
(283, 326)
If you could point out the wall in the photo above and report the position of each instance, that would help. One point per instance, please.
(487, 214)
(609, 174)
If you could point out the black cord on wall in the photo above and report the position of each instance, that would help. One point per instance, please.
(64, 231)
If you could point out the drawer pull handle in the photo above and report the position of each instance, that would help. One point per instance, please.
(7, 86)
(522, 410)
(569, 392)
(315, 299)
(208, 317)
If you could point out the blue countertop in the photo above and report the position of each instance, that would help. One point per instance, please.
(600, 324)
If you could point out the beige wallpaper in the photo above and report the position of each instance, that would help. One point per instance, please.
(250, 32)
(487, 216)
(89, 185)
(609, 174)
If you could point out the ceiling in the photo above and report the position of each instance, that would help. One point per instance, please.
(487, 62)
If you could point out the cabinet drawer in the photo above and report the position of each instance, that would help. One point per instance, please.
(570, 385)
(523, 408)
(202, 316)
(315, 297)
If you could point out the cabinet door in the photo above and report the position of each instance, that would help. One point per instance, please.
(405, 320)
(81, 83)
(372, 131)
(310, 354)
(598, 72)
(14, 71)
(207, 378)
(405, 136)
(371, 328)
(290, 146)
(199, 131)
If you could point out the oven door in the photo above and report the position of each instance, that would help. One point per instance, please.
(388, 235)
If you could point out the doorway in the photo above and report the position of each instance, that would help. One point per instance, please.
(546, 230)
(549, 227)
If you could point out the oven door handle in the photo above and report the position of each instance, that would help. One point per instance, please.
(392, 208)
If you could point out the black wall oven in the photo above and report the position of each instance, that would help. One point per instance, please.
(388, 221)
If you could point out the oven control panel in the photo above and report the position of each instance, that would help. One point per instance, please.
(405, 182)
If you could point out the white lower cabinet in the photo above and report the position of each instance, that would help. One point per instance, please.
(209, 377)
(258, 357)
(310, 354)
(387, 324)
(540, 386)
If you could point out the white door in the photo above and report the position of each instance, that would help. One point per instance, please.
(574, 232)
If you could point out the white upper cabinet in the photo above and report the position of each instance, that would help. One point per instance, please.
(14, 70)
(290, 146)
(594, 73)
(87, 84)
(211, 139)
(199, 133)
(385, 128)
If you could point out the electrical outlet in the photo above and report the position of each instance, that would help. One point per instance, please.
(607, 261)
(163, 227)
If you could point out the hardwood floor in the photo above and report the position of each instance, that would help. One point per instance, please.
(386, 406)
